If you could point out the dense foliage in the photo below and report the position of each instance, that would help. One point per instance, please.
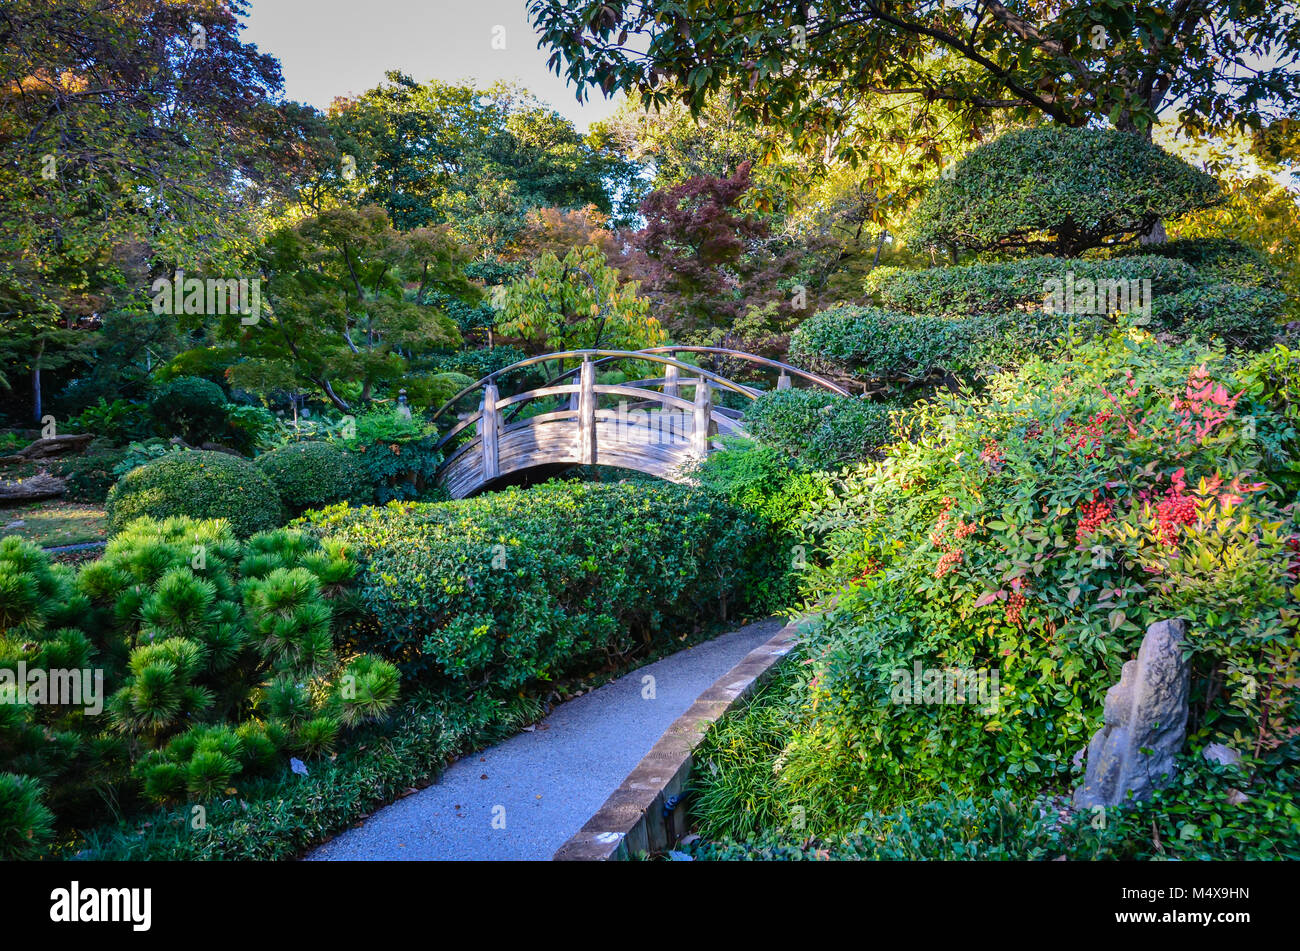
(309, 475)
(1060, 189)
(517, 586)
(1029, 535)
(218, 658)
(200, 484)
(821, 429)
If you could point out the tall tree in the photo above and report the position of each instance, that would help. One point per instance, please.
(1223, 64)
(349, 300)
(132, 134)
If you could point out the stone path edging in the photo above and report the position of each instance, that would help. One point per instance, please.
(645, 813)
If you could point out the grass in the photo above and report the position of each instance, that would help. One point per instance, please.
(52, 523)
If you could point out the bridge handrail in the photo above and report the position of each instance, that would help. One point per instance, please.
(652, 355)
(714, 378)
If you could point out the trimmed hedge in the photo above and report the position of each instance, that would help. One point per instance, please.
(520, 586)
(885, 346)
(311, 474)
(1013, 285)
(1216, 259)
(198, 484)
(1244, 318)
(1057, 188)
(821, 429)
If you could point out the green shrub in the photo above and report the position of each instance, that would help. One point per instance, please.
(994, 288)
(119, 421)
(90, 476)
(822, 430)
(1245, 318)
(191, 407)
(883, 347)
(198, 484)
(248, 428)
(1057, 188)
(309, 475)
(518, 586)
(1217, 260)
(397, 455)
(26, 825)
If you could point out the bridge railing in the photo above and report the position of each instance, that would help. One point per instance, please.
(490, 420)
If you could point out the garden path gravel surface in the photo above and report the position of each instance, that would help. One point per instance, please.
(548, 781)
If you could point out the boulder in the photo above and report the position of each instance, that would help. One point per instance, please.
(1145, 723)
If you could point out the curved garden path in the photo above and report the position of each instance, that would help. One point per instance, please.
(546, 782)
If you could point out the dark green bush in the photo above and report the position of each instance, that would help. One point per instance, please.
(198, 484)
(309, 475)
(881, 346)
(90, 476)
(119, 421)
(518, 586)
(191, 407)
(26, 825)
(822, 430)
(998, 287)
(1059, 189)
(1245, 318)
(1217, 260)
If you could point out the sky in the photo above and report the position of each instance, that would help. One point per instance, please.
(331, 48)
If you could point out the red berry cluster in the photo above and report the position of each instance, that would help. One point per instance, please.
(947, 562)
(1093, 515)
(1014, 606)
(992, 455)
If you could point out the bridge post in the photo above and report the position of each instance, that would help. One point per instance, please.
(488, 432)
(783, 381)
(703, 417)
(670, 380)
(587, 413)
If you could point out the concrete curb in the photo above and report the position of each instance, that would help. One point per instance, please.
(643, 814)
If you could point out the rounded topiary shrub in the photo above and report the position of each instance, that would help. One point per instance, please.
(1057, 189)
(309, 475)
(191, 407)
(198, 484)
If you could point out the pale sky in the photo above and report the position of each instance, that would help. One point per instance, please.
(331, 48)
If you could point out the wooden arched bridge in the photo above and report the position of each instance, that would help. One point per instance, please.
(649, 425)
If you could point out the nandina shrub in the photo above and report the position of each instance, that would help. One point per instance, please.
(1035, 531)
(520, 586)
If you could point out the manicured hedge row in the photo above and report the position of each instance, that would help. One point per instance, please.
(1010, 285)
(1216, 259)
(881, 345)
(523, 585)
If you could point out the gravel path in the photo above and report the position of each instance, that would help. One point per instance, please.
(543, 784)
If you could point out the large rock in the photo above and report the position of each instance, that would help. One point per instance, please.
(32, 489)
(1145, 723)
